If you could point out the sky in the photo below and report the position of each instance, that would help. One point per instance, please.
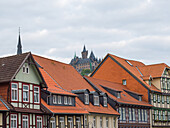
(57, 29)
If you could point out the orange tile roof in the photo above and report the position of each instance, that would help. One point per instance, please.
(68, 78)
(125, 97)
(53, 87)
(155, 70)
(134, 70)
(2, 106)
(77, 109)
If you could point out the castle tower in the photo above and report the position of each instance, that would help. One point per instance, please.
(19, 46)
(84, 53)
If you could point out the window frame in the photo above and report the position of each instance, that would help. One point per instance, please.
(37, 92)
(37, 121)
(15, 119)
(72, 122)
(28, 120)
(25, 91)
(107, 122)
(15, 89)
(101, 122)
(53, 122)
(54, 99)
(63, 121)
(86, 98)
(96, 100)
(59, 99)
(65, 100)
(70, 100)
(105, 101)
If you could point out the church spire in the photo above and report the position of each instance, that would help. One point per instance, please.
(19, 46)
(84, 49)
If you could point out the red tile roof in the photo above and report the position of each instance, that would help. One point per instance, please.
(68, 78)
(2, 106)
(125, 97)
(134, 70)
(77, 109)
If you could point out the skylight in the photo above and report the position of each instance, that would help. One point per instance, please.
(129, 63)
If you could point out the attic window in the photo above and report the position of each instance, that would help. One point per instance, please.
(25, 68)
(150, 82)
(86, 98)
(118, 95)
(124, 82)
(129, 63)
(105, 101)
(140, 98)
(96, 100)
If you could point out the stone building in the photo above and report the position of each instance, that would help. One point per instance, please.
(84, 62)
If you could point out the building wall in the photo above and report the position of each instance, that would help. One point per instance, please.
(1, 120)
(4, 91)
(156, 82)
(113, 72)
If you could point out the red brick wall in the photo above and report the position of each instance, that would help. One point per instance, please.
(4, 90)
(111, 71)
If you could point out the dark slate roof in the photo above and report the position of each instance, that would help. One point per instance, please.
(92, 57)
(9, 66)
(84, 49)
(83, 61)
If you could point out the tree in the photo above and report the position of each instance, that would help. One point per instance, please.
(85, 72)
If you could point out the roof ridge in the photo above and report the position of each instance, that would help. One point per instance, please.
(14, 55)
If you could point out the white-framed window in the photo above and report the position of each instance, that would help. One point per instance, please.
(134, 115)
(146, 115)
(130, 114)
(96, 100)
(36, 95)
(101, 122)
(107, 122)
(65, 100)
(158, 98)
(14, 91)
(13, 123)
(163, 99)
(70, 122)
(39, 122)
(54, 99)
(59, 99)
(105, 101)
(61, 122)
(140, 98)
(124, 113)
(25, 121)
(94, 122)
(163, 115)
(139, 115)
(118, 95)
(86, 98)
(25, 93)
(155, 115)
(85, 121)
(159, 115)
(25, 68)
(124, 82)
(78, 122)
(142, 115)
(52, 122)
(70, 100)
(167, 99)
(154, 97)
(120, 111)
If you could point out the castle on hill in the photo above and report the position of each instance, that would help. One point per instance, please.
(84, 62)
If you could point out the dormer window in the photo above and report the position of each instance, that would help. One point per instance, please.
(54, 99)
(65, 100)
(59, 100)
(140, 98)
(69, 100)
(96, 100)
(105, 101)
(25, 68)
(86, 98)
(150, 82)
(124, 82)
(118, 95)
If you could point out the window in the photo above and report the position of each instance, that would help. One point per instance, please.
(69, 100)
(114, 123)
(86, 98)
(155, 115)
(118, 95)
(65, 100)
(163, 83)
(168, 84)
(154, 97)
(124, 82)
(54, 99)
(52, 123)
(120, 111)
(59, 100)
(94, 122)
(159, 115)
(14, 92)
(169, 116)
(85, 121)
(167, 99)
(25, 121)
(163, 99)
(140, 98)
(25, 93)
(78, 123)
(163, 115)
(61, 122)
(70, 122)
(96, 100)
(142, 115)
(139, 115)
(146, 115)
(130, 114)
(105, 101)
(39, 122)
(101, 122)
(107, 122)
(150, 82)
(124, 113)
(25, 68)
(13, 121)
(158, 99)
(36, 94)
(134, 115)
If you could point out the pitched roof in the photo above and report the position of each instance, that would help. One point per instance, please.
(125, 97)
(10, 65)
(64, 74)
(4, 106)
(133, 67)
(69, 79)
(77, 109)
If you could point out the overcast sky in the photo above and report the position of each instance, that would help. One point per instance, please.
(133, 29)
